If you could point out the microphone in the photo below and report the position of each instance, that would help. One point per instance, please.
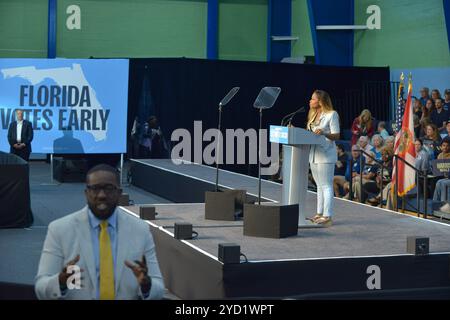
(291, 115)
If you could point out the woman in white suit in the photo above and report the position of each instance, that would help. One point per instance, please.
(323, 120)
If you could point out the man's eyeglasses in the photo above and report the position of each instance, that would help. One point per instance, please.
(107, 188)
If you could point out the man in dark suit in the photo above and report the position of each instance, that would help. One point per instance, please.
(20, 135)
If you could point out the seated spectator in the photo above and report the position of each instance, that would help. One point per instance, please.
(368, 179)
(422, 156)
(377, 143)
(439, 190)
(439, 116)
(382, 130)
(432, 141)
(362, 126)
(339, 169)
(417, 109)
(435, 94)
(341, 164)
(424, 95)
(447, 99)
(445, 149)
(355, 169)
(443, 184)
(389, 142)
(423, 127)
(383, 177)
(447, 129)
(417, 126)
(342, 181)
(426, 112)
(363, 143)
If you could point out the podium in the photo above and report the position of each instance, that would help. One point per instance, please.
(296, 145)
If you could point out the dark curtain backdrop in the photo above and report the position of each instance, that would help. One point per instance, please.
(15, 205)
(185, 90)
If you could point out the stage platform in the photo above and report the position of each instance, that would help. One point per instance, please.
(317, 263)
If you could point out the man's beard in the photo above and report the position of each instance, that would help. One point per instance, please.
(103, 212)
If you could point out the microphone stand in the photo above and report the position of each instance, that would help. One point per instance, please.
(291, 115)
(218, 147)
(259, 156)
(222, 103)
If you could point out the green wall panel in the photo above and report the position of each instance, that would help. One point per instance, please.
(134, 28)
(243, 30)
(301, 29)
(412, 35)
(23, 28)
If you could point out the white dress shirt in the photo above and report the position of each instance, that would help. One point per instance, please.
(19, 131)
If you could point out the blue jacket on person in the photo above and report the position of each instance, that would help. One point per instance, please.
(355, 167)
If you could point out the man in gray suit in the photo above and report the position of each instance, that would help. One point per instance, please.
(20, 135)
(95, 245)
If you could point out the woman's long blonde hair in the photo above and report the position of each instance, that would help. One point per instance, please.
(368, 114)
(324, 102)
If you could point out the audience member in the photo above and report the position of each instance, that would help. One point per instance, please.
(427, 109)
(422, 156)
(363, 143)
(377, 143)
(447, 99)
(367, 177)
(382, 130)
(442, 185)
(417, 126)
(362, 126)
(339, 169)
(432, 140)
(424, 95)
(341, 164)
(439, 116)
(354, 168)
(418, 108)
(447, 128)
(384, 179)
(342, 181)
(435, 94)
(445, 149)
(389, 142)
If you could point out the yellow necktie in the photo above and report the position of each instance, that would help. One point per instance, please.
(106, 264)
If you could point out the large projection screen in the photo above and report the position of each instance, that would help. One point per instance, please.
(76, 106)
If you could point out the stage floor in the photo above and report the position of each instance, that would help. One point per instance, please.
(361, 237)
(358, 229)
(355, 233)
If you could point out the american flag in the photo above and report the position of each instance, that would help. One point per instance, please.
(400, 105)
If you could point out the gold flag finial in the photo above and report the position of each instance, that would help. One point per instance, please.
(402, 77)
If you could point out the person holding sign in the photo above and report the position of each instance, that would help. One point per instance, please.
(20, 135)
(323, 120)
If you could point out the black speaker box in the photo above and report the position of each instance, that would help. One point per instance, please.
(183, 230)
(229, 253)
(418, 245)
(270, 220)
(224, 205)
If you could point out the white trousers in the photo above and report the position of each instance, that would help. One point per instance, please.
(323, 174)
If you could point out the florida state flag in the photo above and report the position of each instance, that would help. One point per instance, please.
(404, 148)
